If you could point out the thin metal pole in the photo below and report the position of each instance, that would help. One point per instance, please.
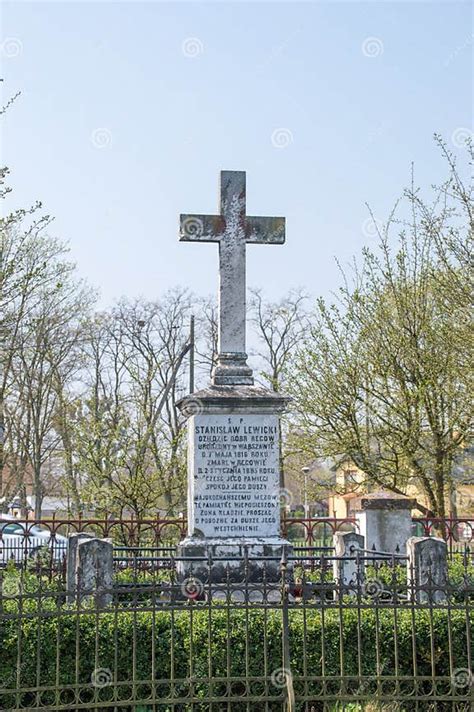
(191, 355)
(289, 703)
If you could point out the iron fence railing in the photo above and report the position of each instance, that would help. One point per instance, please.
(456, 531)
(150, 539)
(158, 530)
(300, 641)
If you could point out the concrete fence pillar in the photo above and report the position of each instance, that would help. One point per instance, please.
(427, 569)
(346, 570)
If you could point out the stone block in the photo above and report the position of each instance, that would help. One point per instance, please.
(71, 563)
(384, 520)
(235, 560)
(347, 570)
(427, 569)
(94, 571)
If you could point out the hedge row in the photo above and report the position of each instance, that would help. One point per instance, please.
(250, 643)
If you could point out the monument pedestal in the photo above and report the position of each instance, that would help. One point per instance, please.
(233, 447)
(233, 486)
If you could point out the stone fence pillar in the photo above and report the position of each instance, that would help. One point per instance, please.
(71, 559)
(427, 569)
(90, 569)
(346, 570)
(384, 521)
(94, 570)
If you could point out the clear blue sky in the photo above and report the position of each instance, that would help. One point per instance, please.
(358, 111)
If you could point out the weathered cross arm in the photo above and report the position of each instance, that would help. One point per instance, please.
(209, 228)
(262, 230)
(203, 228)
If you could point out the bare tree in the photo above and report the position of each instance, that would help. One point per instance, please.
(278, 327)
(98, 422)
(130, 433)
(207, 336)
(156, 369)
(44, 352)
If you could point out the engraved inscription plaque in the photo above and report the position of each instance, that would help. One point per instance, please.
(234, 482)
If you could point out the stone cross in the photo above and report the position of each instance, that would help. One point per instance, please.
(232, 229)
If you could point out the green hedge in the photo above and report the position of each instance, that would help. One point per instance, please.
(124, 641)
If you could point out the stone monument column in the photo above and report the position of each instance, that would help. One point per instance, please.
(233, 426)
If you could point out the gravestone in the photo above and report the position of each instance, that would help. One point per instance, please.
(233, 425)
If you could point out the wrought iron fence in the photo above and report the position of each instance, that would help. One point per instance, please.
(456, 531)
(144, 543)
(302, 641)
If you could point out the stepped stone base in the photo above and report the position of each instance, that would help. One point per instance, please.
(250, 559)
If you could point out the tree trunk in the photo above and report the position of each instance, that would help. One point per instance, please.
(38, 491)
(440, 481)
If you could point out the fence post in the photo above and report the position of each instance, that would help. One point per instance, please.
(94, 570)
(289, 704)
(427, 569)
(348, 573)
(71, 563)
